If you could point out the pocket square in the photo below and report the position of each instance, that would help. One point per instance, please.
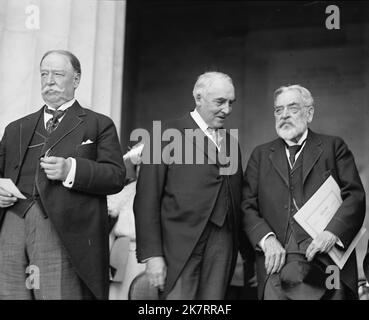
(86, 142)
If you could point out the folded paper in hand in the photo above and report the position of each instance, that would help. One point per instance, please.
(318, 211)
(8, 185)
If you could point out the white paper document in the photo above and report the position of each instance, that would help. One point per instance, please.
(8, 185)
(318, 211)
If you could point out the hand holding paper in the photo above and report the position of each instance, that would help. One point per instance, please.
(323, 242)
(10, 188)
(6, 198)
(315, 215)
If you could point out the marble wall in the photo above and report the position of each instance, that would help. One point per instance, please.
(92, 29)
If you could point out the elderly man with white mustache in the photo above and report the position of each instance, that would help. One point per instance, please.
(65, 159)
(280, 177)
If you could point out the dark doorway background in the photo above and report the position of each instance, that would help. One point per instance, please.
(261, 45)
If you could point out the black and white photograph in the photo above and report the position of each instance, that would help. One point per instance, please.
(184, 156)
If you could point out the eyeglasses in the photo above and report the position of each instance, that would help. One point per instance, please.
(291, 109)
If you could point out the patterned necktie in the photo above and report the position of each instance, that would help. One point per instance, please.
(293, 151)
(53, 123)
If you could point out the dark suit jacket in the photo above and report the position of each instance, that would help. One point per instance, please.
(173, 204)
(265, 195)
(78, 214)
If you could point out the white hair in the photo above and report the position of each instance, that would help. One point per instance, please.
(205, 80)
(305, 94)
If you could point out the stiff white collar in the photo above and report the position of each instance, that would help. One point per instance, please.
(199, 120)
(64, 106)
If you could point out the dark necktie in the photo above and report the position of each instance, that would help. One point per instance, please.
(293, 151)
(53, 123)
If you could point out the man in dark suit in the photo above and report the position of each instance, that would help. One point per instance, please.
(280, 177)
(187, 211)
(65, 159)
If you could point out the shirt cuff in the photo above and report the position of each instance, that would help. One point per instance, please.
(261, 242)
(69, 181)
(147, 259)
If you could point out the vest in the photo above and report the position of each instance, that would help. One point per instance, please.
(295, 199)
(27, 182)
(223, 204)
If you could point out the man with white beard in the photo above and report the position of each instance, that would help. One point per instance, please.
(280, 177)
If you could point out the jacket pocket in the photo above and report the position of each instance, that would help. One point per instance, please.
(87, 151)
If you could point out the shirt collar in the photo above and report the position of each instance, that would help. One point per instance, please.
(64, 106)
(199, 120)
(302, 139)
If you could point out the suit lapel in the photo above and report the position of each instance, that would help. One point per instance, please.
(72, 119)
(278, 159)
(208, 148)
(27, 128)
(312, 152)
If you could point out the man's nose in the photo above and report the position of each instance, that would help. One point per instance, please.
(227, 109)
(285, 113)
(50, 78)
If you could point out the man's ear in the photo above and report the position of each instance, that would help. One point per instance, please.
(198, 100)
(310, 113)
(77, 78)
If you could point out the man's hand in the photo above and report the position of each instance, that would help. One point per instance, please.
(322, 243)
(275, 255)
(156, 271)
(6, 198)
(56, 168)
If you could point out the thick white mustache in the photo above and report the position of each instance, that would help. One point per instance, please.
(46, 89)
(283, 123)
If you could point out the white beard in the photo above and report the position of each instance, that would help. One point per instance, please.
(290, 133)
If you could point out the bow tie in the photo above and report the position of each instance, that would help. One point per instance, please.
(55, 113)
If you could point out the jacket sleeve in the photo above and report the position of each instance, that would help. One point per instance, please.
(349, 218)
(104, 175)
(253, 223)
(147, 210)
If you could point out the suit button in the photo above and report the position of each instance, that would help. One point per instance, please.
(292, 188)
(219, 177)
(285, 206)
(16, 166)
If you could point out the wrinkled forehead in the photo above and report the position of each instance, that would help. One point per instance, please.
(56, 61)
